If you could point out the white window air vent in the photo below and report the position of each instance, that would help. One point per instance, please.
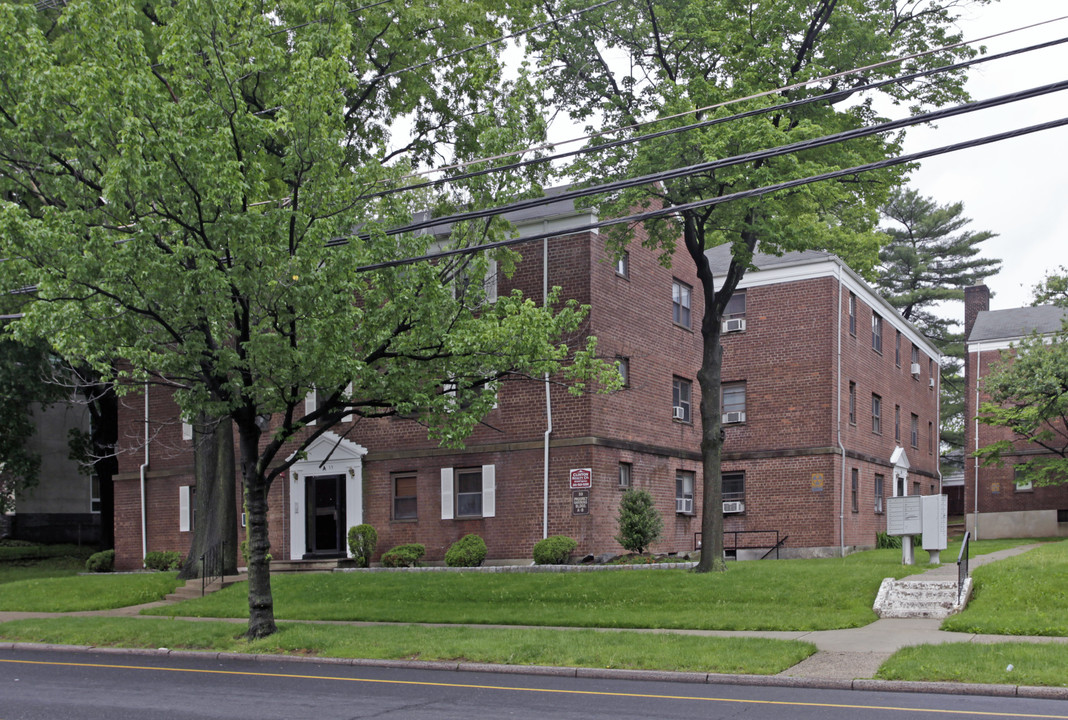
(734, 325)
(679, 413)
(915, 368)
(684, 505)
(931, 383)
(736, 506)
(733, 417)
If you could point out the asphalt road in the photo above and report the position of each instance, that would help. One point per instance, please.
(54, 685)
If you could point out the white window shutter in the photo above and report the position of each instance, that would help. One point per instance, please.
(491, 282)
(183, 508)
(348, 396)
(489, 491)
(187, 431)
(446, 493)
(309, 404)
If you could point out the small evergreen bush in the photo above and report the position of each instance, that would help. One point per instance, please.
(100, 562)
(468, 551)
(639, 522)
(554, 550)
(163, 560)
(363, 539)
(403, 555)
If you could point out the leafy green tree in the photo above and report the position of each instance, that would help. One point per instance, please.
(930, 259)
(639, 521)
(1053, 290)
(674, 60)
(1029, 397)
(25, 381)
(183, 185)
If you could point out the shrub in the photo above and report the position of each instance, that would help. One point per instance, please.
(101, 562)
(639, 521)
(163, 560)
(884, 541)
(362, 542)
(554, 550)
(468, 551)
(403, 555)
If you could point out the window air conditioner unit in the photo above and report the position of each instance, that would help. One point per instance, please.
(736, 506)
(679, 413)
(684, 505)
(931, 383)
(733, 417)
(915, 368)
(734, 325)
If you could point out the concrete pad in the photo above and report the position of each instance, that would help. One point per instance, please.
(838, 665)
(883, 636)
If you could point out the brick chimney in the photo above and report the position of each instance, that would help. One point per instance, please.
(976, 300)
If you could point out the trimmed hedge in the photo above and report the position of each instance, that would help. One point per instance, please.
(363, 539)
(554, 550)
(404, 555)
(468, 551)
(163, 560)
(101, 562)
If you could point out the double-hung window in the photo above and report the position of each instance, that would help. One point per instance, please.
(681, 294)
(733, 396)
(684, 492)
(879, 493)
(468, 492)
(876, 333)
(623, 264)
(681, 391)
(852, 403)
(404, 497)
(852, 314)
(854, 489)
(915, 431)
(876, 414)
(624, 474)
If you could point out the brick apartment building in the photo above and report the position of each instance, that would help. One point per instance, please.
(830, 405)
(995, 503)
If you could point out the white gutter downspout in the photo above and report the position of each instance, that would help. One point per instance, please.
(975, 502)
(144, 469)
(548, 393)
(841, 447)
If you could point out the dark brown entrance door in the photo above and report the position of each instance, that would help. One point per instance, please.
(324, 500)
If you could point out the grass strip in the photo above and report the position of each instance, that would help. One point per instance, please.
(816, 594)
(1031, 663)
(569, 648)
(85, 592)
(1021, 595)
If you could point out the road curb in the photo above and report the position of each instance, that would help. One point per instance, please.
(860, 684)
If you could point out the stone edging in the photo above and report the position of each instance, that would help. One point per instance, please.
(944, 688)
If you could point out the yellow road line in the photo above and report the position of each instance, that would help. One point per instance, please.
(652, 696)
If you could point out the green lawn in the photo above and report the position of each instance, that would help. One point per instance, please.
(766, 595)
(85, 592)
(1032, 663)
(21, 562)
(1022, 595)
(570, 648)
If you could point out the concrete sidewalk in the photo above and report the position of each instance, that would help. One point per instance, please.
(842, 655)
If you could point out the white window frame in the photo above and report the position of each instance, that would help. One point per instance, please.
(733, 411)
(684, 488)
(877, 333)
(394, 497)
(449, 492)
(1021, 485)
(876, 414)
(623, 265)
(681, 303)
(880, 488)
(626, 472)
(678, 385)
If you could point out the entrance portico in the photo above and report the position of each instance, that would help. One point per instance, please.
(325, 498)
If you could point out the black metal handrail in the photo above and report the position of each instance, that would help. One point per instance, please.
(212, 565)
(962, 564)
(735, 547)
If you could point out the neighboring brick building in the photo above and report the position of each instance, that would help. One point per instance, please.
(995, 504)
(799, 346)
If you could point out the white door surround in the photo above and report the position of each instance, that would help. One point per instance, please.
(329, 454)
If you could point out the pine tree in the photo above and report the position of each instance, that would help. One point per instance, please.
(930, 259)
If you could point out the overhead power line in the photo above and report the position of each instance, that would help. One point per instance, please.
(694, 169)
(781, 107)
(742, 195)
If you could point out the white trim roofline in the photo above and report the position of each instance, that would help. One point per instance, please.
(809, 267)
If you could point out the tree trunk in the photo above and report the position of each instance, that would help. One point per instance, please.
(216, 506)
(103, 407)
(260, 601)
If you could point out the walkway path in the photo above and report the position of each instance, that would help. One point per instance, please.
(841, 654)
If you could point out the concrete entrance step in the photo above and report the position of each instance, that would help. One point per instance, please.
(323, 565)
(920, 598)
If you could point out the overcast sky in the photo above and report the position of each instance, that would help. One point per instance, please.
(1016, 188)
